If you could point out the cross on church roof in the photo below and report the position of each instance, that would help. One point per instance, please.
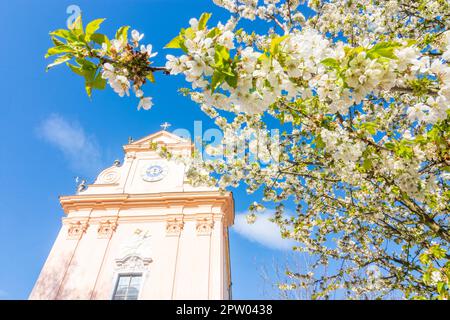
(165, 125)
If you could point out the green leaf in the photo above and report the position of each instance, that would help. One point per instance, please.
(86, 64)
(263, 57)
(232, 80)
(99, 38)
(86, 69)
(438, 252)
(122, 34)
(411, 42)
(223, 65)
(441, 287)
(92, 27)
(57, 42)
(80, 44)
(59, 49)
(89, 76)
(183, 47)
(99, 83)
(151, 77)
(189, 33)
(367, 164)
(77, 26)
(78, 23)
(228, 72)
(203, 20)
(426, 277)
(383, 49)
(213, 32)
(88, 88)
(93, 81)
(370, 127)
(320, 144)
(275, 44)
(330, 62)
(178, 41)
(64, 34)
(404, 151)
(353, 51)
(59, 60)
(77, 70)
(174, 43)
(424, 258)
(221, 56)
(216, 80)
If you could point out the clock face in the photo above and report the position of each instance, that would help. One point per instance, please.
(154, 171)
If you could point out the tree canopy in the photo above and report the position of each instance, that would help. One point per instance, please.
(360, 90)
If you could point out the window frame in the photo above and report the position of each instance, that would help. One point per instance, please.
(130, 275)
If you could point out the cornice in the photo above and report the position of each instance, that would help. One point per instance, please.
(163, 199)
(188, 217)
(145, 147)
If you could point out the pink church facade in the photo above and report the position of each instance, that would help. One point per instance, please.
(140, 231)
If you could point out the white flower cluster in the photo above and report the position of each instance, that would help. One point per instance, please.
(118, 81)
(362, 90)
(343, 148)
(298, 72)
(118, 76)
(198, 64)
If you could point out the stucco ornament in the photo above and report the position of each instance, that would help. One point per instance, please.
(76, 230)
(135, 254)
(204, 226)
(109, 176)
(106, 229)
(174, 227)
(137, 245)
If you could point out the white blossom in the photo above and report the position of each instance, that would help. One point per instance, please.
(145, 103)
(136, 36)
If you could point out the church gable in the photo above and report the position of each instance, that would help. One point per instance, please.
(143, 170)
(168, 139)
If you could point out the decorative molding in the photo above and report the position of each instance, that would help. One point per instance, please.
(132, 263)
(135, 253)
(204, 226)
(109, 176)
(174, 226)
(106, 229)
(222, 202)
(139, 218)
(137, 245)
(76, 229)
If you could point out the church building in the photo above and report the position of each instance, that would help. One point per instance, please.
(140, 231)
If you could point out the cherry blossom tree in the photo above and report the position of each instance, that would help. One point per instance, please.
(360, 90)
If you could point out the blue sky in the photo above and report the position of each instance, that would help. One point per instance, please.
(51, 133)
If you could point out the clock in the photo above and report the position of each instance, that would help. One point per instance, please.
(154, 171)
